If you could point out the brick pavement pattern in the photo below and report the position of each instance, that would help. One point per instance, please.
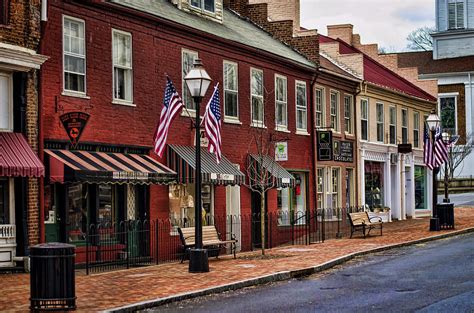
(114, 289)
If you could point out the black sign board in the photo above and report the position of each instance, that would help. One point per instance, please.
(74, 123)
(404, 148)
(344, 151)
(324, 145)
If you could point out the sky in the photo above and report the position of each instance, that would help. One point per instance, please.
(386, 22)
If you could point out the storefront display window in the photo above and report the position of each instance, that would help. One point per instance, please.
(4, 207)
(105, 216)
(182, 199)
(292, 202)
(374, 177)
(420, 188)
(77, 211)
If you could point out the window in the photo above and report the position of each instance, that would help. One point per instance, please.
(393, 126)
(74, 55)
(283, 204)
(404, 126)
(348, 114)
(335, 171)
(379, 115)
(455, 14)
(291, 202)
(301, 107)
(364, 119)
(334, 110)
(231, 90)
(257, 97)
(319, 98)
(6, 102)
(447, 109)
(281, 109)
(321, 178)
(206, 5)
(350, 187)
(416, 129)
(4, 201)
(122, 58)
(4, 10)
(188, 58)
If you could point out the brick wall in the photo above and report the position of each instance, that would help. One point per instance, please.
(283, 10)
(23, 24)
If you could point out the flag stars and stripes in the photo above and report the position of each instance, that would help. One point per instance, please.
(212, 124)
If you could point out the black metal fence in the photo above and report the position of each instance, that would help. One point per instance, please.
(139, 243)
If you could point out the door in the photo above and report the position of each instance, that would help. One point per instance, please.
(7, 223)
(233, 223)
(256, 220)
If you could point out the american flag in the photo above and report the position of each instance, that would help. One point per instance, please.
(212, 124)
(428, 149)
(441, 150)
(172, 105)
(440, 154)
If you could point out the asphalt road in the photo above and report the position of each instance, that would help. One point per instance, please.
(432, 277)
(461, 199)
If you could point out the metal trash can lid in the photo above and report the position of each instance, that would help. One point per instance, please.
(52, 248)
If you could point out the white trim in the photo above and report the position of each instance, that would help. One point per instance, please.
(229, 120)
(257, 123)
(417, 129)
(201, 8)
(377, 122)
(454, 95)
(9, 78)
(323, 105)
(337, 128)
(351, 116)
(78, 20)
(301, 83)
(192, 112)
(407, 125)
(366, 100)
(390, 107)
(75, 94)
(114, 99)
(281, 127)
(230, 117)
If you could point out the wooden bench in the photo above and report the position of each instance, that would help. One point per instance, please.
(210, 240)
(360, 221)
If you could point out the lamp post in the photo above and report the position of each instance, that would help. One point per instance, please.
(433, 122)
(446, 139)
(197, 81)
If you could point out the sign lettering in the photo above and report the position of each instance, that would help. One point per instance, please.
(74, 124)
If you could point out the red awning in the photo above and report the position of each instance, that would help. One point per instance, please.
(17, 158)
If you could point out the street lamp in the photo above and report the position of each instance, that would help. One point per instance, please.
(433, 122)
(446, 139)
(197, 81)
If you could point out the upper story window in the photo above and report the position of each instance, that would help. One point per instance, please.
(206, 5)
(4, 10)
(364, 119)
(348, 114)
(187, 64)
(455, 14)
(74, 55)
(319, 107)
(123, 72)
(281, 103)
(404, 126)
(231, 91)
(447, 111)
(6, 102)
(256, 86)
(416, 129)
(334, 110)
(380, 121)
(301, 107)
(393, 126)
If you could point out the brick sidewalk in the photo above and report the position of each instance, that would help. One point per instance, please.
(114, 289)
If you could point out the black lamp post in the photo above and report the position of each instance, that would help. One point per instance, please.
(446, 139)
(433, 122)
(197, 81)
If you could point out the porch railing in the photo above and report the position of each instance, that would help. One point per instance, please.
(7, 231)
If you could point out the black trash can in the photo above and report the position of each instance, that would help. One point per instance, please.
(52, 277)
(446, 215)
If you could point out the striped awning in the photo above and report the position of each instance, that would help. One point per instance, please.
(17, 159)
(101, 167)
(182, 160)
(278, 175)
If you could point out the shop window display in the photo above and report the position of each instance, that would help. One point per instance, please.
(420, 188)
(374, 177)
(292, 202)
(182, 197)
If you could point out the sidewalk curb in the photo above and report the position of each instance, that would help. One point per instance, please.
(279, 276)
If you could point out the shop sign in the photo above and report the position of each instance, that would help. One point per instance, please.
(130, 175)
(225, 177)
(281, 151)
(324, 145)
(343, 151)
(285, 180)
(204, 140)
(74, 123)
(404, 148)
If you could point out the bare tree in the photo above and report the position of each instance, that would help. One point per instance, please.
(457, 154)
(420, 39)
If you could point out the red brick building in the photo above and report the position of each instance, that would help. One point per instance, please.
(110, 59)
(20, 167)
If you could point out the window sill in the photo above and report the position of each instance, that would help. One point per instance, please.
(258, 125)
(124, 103)
(302, 132)
(230, 120)
(188, 113)
(282, 129)
(350, 135)
(75, 94)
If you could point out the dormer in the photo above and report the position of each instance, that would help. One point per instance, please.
(210, 9)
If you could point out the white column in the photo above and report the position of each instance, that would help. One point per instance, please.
(388, 185)
(362, 177)
(429, 190)
(469, 85)
(396, 193)
(411, 191)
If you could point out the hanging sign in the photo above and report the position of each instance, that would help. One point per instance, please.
(202, 136)
(324, 142)
(281, 151)
(343, 151)
(74, 123)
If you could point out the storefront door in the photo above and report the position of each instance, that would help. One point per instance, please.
(7, 224)
(256, 220)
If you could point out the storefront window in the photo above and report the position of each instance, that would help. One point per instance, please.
(77, 200)
(4, 207)
(320, 188)
(105, 216)
(420, 188)
(292, 202)
(335, 187)
(182, 199)
(374, 178)
(283, 200)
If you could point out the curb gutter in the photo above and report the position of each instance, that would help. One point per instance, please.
(279, 276)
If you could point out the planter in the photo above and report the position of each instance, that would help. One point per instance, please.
(385, 216)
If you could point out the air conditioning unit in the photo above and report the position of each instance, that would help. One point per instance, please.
(394, 158)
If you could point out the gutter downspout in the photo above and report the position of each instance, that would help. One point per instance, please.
(313, 137)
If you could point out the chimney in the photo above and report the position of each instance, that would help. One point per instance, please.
(341, 31)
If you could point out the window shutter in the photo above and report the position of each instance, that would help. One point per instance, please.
(460, 14)
(452, 15)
